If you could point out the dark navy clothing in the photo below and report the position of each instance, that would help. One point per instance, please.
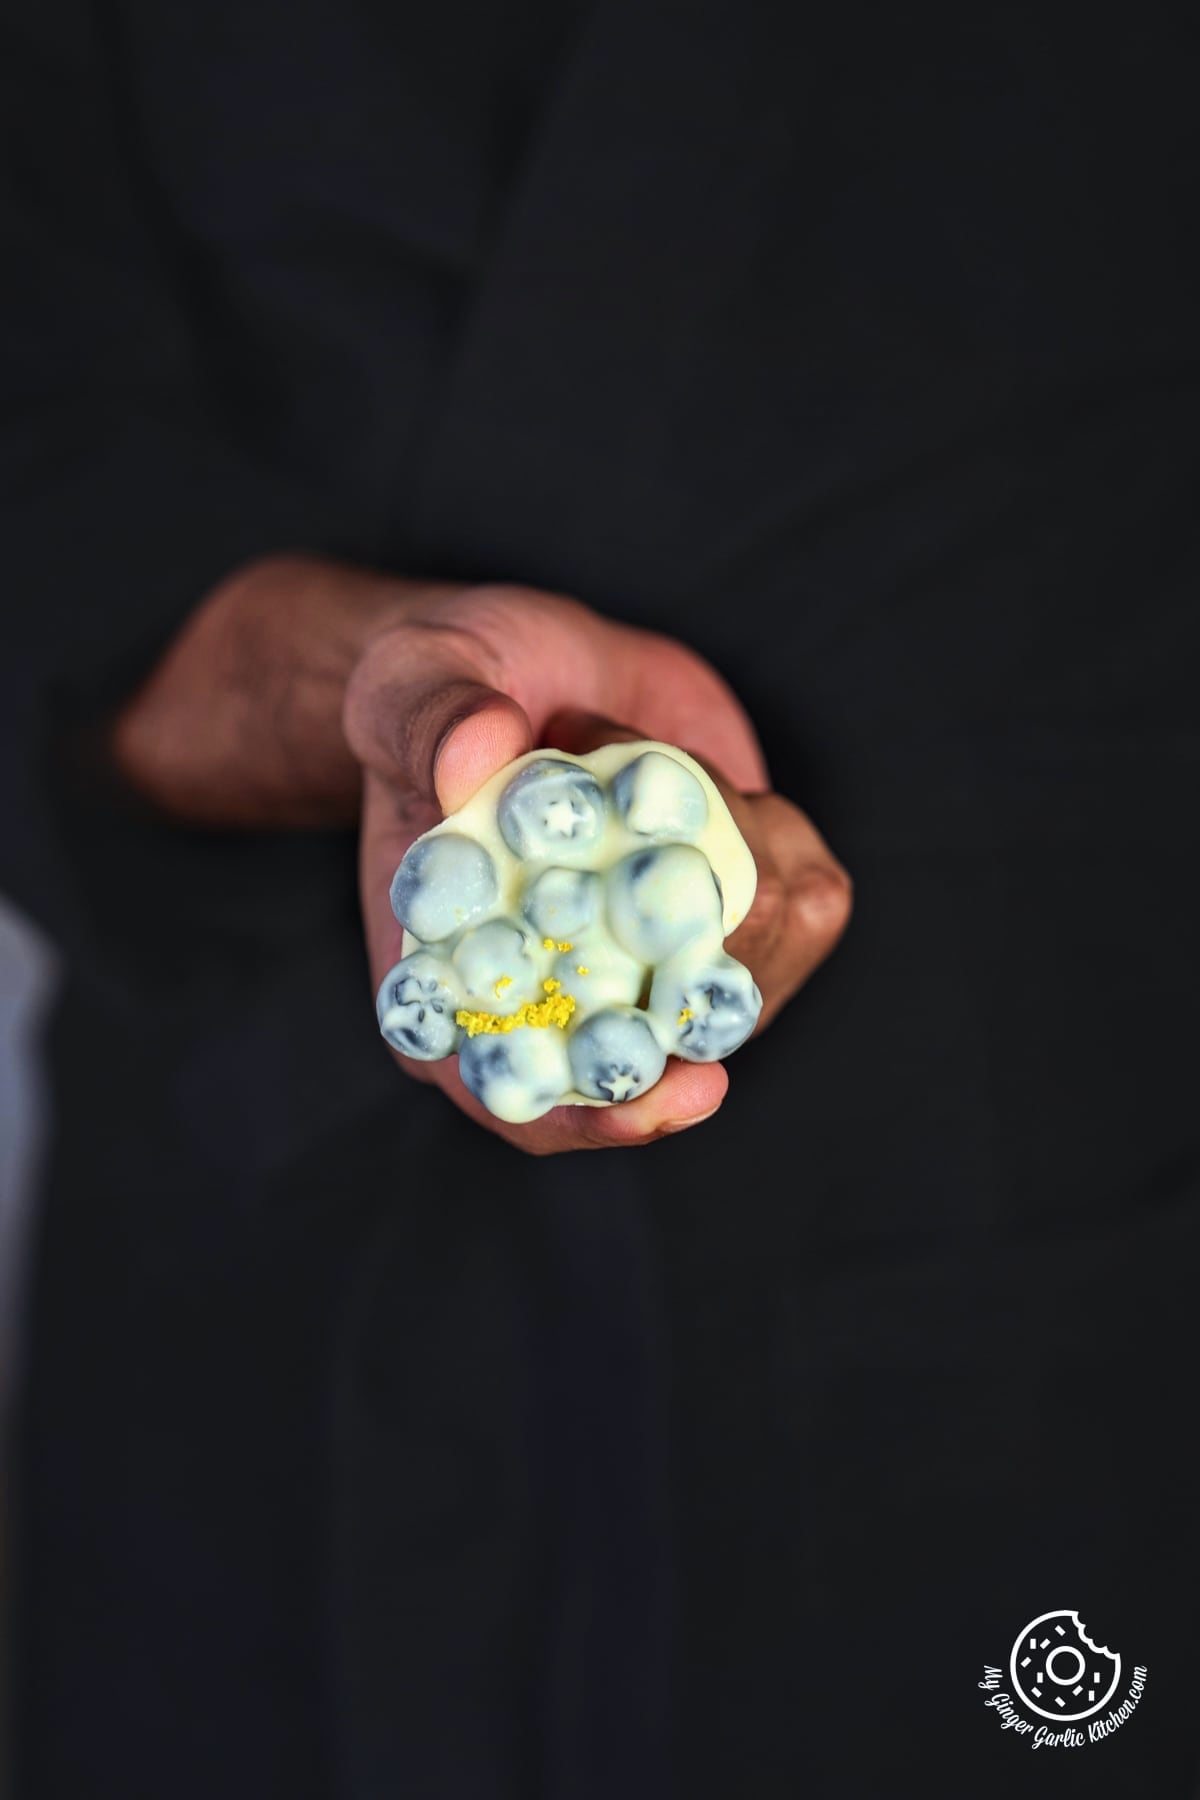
(360, 1455)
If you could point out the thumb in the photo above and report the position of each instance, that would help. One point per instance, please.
(418, 714)
(483, 730)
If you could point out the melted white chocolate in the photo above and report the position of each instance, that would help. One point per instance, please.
(582, 976)
(719, 838)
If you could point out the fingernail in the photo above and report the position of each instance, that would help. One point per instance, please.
(448, 732)
(684, 1124)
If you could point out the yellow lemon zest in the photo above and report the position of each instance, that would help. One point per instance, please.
(505, 981)
(549, 944)
(582, 970)
(550, 986)
(556, 1009)
(684, 1016)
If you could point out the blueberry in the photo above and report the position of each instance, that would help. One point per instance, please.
(612, 978)
(416, 1005)
(552, 809)
(496, 968)
(658, 797)
(563, 903)
(704, 1006)
(615, 1055)
(446, 881)
(660, 899)
(518, 1075)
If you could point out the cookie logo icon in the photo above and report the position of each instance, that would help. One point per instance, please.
(1058, 1671)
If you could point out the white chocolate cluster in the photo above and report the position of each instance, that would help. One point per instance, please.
(564, 931)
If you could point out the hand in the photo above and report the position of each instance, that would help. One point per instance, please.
(480, 677)
(302, 692)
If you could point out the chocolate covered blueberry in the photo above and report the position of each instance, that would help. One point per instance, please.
(658, 798)
(416, 1007)
(519, 1075)
(534, 930)
(552, 809)
(614, 1055)
(495, 966)
(445, 882)
(564, 903)
(599, 973)
(704, 1006)
(660, 899)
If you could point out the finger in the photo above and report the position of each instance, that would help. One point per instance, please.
(488, 734)
(579, 732)
(686, 702)
(821, 890)
(802, 901)
(729, 790)
(783, 959)
(439, 703)
(420, 713)
(549, 651)
(687, 1094)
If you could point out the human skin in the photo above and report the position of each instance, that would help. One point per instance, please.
(305, 693)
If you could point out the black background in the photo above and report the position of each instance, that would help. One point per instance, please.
(360, 1454)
